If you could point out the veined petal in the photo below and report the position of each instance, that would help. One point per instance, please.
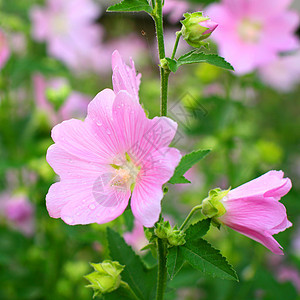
(124, 77)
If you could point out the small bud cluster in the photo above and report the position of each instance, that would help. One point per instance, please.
(174, 236)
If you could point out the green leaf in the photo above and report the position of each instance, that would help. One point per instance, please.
(202, 256)
(185, 164)
(131, 5)
(141, 280)
(175, 260)
(194, 56)
(197, 230)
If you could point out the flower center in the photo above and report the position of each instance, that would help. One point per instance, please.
(250, 31)
(125, 174)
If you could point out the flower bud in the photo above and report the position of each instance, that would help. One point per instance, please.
(174, 236)
(106, 277)
(212, 206)
(196, 28)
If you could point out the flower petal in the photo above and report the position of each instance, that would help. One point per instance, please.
(124, 77)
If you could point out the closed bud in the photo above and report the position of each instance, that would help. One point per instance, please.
(106, 277)
(196, 28)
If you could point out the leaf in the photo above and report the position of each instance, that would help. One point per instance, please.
(131, 5)
(194, 56)
(175, 261)
(202, 256)
(185, 164)
(197, 230)
(141, 280)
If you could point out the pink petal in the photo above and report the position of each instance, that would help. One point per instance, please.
(78, 138)
(260, 215)
(124, 78)
(272, 181)
(145, 202)
(147, 194)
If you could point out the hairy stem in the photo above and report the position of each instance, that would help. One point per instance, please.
(190, 215)
(162, 270)
(178, 35)
(164, 74)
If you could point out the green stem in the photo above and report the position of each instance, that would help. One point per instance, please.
(164, 74)
(178, 35)
(198, 207)
(162, 270)
(126, 286)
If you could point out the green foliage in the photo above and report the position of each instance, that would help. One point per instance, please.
(199, 254)
(185, 164)
(131, 6)
(194, 56)
(140, 279)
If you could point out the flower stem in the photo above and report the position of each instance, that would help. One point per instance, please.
(126, 286)
(178, 35)
(164, 74)
(198, 207)
(162, 270)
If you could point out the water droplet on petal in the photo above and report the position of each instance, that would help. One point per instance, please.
(99, 123)
(92, 206)
(108, 131)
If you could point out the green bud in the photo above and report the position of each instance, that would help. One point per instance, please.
(106, 277)
(174, 236)
(196, 28)
(57, 96)
(212, 206)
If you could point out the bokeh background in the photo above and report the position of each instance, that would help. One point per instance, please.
(54, 58)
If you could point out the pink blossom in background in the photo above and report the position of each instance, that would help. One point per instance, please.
(136, 239)
(289, 273)
(69, 29)
(130, 46)
(175, 9)
(254, 210)
(4, 49)
(114, 154)
(74, 106)
(19, 212)
(283, 74)
(252, 33)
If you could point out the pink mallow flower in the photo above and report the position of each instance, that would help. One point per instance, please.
(283, 74)
(114, 154)
(69, 29)
(254, 210)
(252, 32)
(136, 239)
(4, 49)
(19, 212)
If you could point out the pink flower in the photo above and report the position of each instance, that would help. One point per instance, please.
(4, 49)
(69, 29)
(19, 211)
(252, 32)
(283, 74)
(136, 238)
(175, 9)
(254, 210)
(114, 154)
(289, 273)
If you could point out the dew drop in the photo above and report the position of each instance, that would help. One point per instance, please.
(108, 131)
(99, 123)
(92, 206)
